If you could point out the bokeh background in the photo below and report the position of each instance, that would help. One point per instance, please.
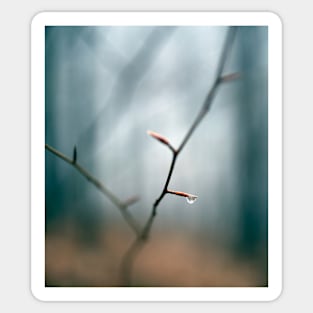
(105, 87)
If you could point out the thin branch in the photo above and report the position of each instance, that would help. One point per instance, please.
(122, 206)
(137, 245)
(182, 194)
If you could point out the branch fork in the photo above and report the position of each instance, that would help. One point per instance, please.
(191, 198)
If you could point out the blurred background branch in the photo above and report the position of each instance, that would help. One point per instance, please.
(126, 82)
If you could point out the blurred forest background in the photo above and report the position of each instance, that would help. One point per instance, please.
(105, 87)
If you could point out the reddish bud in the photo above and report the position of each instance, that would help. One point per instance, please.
(189, 197)
(158, 137)
(131, 201)
(230, 77)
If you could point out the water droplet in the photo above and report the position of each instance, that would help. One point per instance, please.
(191, 199)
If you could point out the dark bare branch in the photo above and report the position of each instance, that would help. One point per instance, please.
(137, 245)
(122, 206)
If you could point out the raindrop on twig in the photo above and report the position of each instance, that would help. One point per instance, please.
(191, 199)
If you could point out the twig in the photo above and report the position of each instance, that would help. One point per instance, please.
(137, 245)
(122, 206)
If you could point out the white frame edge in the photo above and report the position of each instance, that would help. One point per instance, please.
(274, 288)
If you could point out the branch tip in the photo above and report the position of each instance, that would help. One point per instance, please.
(189, 196)
(159, 137)
(230, 77)
(131, 201)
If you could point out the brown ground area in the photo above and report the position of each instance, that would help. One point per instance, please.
(168, 259)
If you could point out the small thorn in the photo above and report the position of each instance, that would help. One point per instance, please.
(74, 155)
